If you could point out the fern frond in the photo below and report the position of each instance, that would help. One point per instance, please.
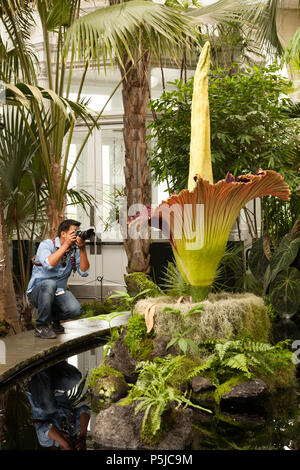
(254, 346)
(203, 367)
(222, 348)
(239, 361)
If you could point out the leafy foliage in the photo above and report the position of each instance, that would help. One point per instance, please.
(97, 307)
(114, 332)
(181, 337)
(250, 129)
(153, 392)
(280, 275)
(231, 362)
(77, 394)
(127, 299)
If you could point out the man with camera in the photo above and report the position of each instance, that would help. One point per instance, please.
(47, 289)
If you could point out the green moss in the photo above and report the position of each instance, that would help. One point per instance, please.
(284, 375)
(102, 371)
(135, 333)
(167, 422)
(137, 282)
(180, 379)
(144, 350)
(256, 323)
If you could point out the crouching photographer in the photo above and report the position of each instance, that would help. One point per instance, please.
(52, 265)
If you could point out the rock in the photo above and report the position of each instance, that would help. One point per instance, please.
(180, 437)
(246, 390)
(160, 347)
(137, 282)
(108, 390)
(201, 384)
(121, 360)
(118, 427)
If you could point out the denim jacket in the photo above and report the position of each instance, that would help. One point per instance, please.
(59, 272)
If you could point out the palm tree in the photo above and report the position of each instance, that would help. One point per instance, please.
(8, 306)
(22, 178)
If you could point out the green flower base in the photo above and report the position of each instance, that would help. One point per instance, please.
(199, 293)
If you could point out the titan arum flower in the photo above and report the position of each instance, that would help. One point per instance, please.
(198, 220)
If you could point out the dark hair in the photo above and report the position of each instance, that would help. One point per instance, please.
(66, 224)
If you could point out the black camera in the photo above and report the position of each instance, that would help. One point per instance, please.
(85, 234)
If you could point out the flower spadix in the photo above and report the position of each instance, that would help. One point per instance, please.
(200, 156)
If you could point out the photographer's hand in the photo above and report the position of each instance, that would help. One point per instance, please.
(80, 243)
(84, 262)
(69, 239)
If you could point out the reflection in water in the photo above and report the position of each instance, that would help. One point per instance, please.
(56, 421)
(45, 413)
(286, 329)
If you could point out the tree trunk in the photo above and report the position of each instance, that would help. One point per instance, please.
(55, 215)
(8, 305)
(137, 174)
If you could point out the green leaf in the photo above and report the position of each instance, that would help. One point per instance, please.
(285, 291)
(258, 262)
(170, 343)
(239, 361)
(197, 309)
(172, 310)
(183, 345)
(192, 344)
(191, 328)
(284, 256)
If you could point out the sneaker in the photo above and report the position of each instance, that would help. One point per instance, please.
(44, 332)
(57, 327)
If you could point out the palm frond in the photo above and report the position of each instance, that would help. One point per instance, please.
(257, 16)
(221, 11)
(17, 17)
(77, 395)
(108, 32)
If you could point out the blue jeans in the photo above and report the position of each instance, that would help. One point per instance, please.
(53, 307)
